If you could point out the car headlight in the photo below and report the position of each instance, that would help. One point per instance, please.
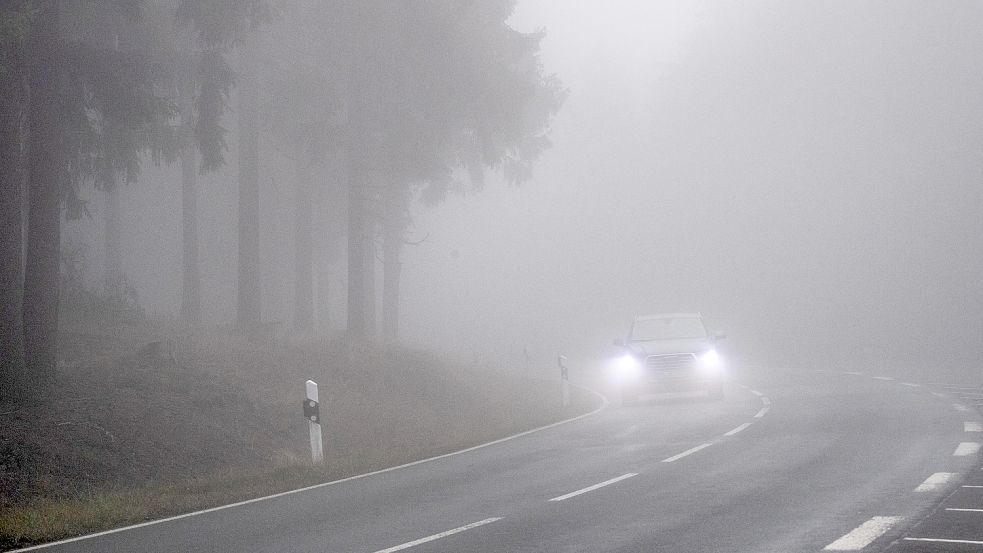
(627, 367)
(710, 361)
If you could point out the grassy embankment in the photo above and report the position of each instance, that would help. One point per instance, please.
(143, 427)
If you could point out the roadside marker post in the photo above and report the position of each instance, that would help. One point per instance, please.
(564, 380)
(312, 412)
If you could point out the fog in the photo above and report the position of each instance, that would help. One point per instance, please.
(806, 175)
(412, 268)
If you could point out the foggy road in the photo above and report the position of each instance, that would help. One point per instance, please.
(205, 204)
(787, 462)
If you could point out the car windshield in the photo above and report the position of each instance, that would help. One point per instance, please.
(677, 328)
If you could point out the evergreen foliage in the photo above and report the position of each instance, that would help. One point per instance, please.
(419, 99)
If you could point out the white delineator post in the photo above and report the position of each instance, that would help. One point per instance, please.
(564, 380)
(317, 447)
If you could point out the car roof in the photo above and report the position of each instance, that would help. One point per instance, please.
(669, 316)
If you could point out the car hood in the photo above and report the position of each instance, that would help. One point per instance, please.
(662, 347)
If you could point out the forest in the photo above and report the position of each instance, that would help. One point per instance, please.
(345, 111)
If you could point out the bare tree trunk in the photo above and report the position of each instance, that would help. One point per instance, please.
(356, 207)
(391, 269)
(191, 276)
(11, 236)
(356, 255)
(395, 200)
(41, 271)
(113, 274)
(369, 232)
(322, 300)
(249, 290)
(303, 250)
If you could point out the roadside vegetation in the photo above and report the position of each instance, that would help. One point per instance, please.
(240, 169)
(150, 423)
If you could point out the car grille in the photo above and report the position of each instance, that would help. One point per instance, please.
(678, 361)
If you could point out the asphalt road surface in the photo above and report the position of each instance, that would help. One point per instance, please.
(788, 461)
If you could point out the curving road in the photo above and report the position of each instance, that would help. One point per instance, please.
(787, 462)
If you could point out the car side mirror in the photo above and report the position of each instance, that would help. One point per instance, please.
(718, 336)
(618, 343)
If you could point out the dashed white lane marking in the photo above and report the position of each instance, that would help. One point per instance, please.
(433, 537)
(863, 535)
(755, 392)
(935, 482)
(967, 395)
(972, 426)
(854, 373)
(966, 448)
(595, 486)
(969, 486)
(941, 540)
(761, 413)
(604, 405)
(963, 510)
(689, 451)
(765, 401)
(961, 408)
(940, 394)
(883, 378)
(910, 384)
(738, 429)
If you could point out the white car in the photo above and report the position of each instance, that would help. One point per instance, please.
(669, 352)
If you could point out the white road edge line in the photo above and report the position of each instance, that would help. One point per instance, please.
(935, 482)
(755, 392)
(910, 384)
(968, 486)
(853, 373)
(966, 448)
(761, 413)
(863, 535)
(604, 404)
(738, 429)
(941, 540)
(964, 510)
(457, 530)
(940, 394)
(595, 486)
(689, 451)
(885, 378)
(972, 426)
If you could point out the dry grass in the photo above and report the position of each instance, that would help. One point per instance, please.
(135, 432)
